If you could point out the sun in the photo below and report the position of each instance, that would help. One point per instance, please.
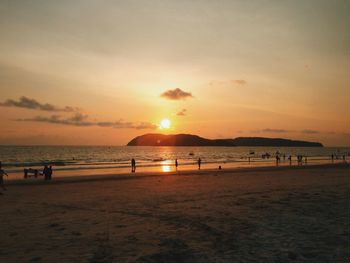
(165, 124)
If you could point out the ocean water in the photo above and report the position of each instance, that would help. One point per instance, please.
(92, 160)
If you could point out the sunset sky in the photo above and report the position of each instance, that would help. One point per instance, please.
(102, 72)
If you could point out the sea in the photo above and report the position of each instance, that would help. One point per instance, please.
(102, 160)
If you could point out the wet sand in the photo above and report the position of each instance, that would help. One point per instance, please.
(283, 214)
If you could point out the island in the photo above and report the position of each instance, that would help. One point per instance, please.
(156, 139)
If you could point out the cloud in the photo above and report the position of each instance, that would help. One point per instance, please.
(176, 94)
(182, 112)
(82, 121)
(307, 131)
(239, 81)
(274, 130)
(33, 104)
(227, 83)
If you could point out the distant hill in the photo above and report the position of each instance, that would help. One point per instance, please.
(154, 139)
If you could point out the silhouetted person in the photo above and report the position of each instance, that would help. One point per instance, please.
(284, 157)
(2, 173)
(332, 157)
(290, 159)
(199, 163)
(176, 164)
(46, 172)
(133, 165)
(249, 159)
(300, 159)
(277, 159)
(49, 172)
(344, 158)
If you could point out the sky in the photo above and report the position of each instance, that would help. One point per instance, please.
(102, 72)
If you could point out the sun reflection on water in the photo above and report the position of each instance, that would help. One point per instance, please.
(166, 168)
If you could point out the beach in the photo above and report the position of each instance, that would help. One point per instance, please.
(272, 214)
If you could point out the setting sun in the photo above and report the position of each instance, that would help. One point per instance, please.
(165, 124)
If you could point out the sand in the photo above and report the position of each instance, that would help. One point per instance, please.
(298, 214)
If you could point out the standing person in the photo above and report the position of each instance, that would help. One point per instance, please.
(49, 171)
(133, 165)
(277, 159)
(46, 172)
(290, 159)
(2, 173)
(199, 163)
(176, 164)
(332, 157)
(300, 158)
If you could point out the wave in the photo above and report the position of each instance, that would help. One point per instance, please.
(126, 165)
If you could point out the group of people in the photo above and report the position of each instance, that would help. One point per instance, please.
(335, 156)
(133, 164)
(299, 159)
(47, 172)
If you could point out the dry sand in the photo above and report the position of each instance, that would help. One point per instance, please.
(261, 215)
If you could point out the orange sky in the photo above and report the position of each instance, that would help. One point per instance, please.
(233, 68)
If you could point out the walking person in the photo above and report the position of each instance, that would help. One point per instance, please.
(133, 165)
(199, 163)
(2, 173)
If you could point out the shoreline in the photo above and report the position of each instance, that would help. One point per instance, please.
(262, 214)
(189, 172)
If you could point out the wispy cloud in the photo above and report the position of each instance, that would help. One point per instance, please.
(308, 131)
(82, 121)
(239, 81)
(305, 131)
(182, 112)
(227, 83)
(176, 94)
(27, 103)
(274, 130)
